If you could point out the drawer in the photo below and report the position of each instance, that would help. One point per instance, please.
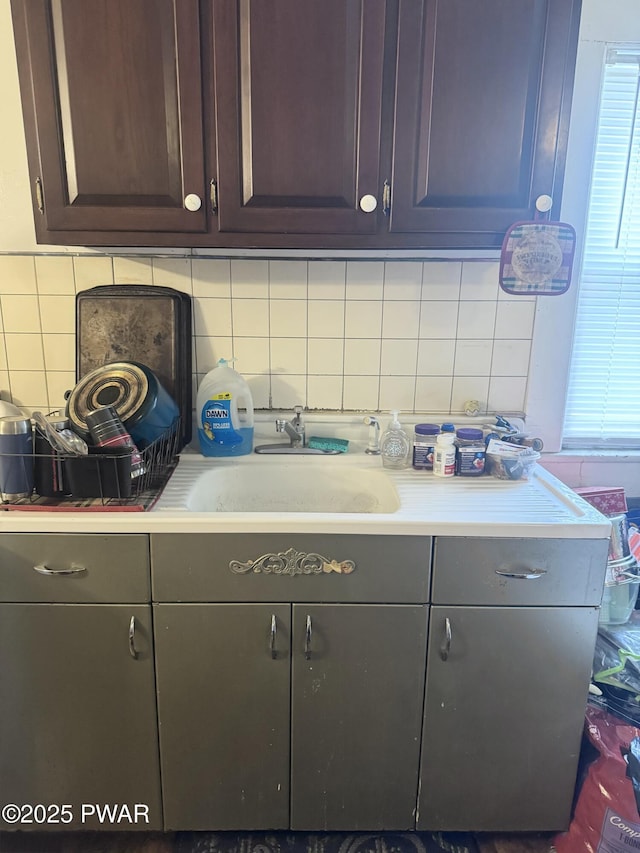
(530, 572)
(290, 567)
(102, 569)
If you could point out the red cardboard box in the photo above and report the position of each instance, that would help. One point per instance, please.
(610, 500)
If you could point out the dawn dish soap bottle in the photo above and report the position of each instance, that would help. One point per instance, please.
(224, 410)
(395, 446)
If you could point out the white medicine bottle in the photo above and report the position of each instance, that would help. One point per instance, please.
(444, 455)
(224, 411)
(395, 446)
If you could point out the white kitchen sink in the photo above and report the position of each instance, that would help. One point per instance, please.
(291, 485)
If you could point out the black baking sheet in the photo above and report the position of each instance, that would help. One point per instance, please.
(144, 323)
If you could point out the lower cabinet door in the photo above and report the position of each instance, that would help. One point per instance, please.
(505, 701)
(223, 673)
(357, 698)
(78, 729)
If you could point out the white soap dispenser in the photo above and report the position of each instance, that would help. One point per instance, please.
(395, 446)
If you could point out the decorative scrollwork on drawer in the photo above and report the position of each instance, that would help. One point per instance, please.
(292, 562)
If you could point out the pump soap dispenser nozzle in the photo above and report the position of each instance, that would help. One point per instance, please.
(395, 445)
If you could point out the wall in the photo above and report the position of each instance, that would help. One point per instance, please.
(331, 334)
(343, 335)
(374, 334)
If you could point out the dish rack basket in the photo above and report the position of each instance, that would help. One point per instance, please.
(100, 479)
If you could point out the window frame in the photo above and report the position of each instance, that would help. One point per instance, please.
(601, 25)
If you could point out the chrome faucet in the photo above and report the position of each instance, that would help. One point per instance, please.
(373, 448)
(294, 428)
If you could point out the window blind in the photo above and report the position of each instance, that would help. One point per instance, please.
(603, 401)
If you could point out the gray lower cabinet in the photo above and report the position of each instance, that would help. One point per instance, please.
(223, 673)
(505, 699)
(512, 629)
(77, 715)
(234, 679)
(357, 689)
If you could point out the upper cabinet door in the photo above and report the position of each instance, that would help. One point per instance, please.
(482, 106)
(298, 91)
(113, 109)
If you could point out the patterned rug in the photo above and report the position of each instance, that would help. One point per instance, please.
(333, 842)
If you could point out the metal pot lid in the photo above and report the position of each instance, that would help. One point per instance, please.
(123, 385)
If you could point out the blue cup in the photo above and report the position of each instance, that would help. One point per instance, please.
(16, 458)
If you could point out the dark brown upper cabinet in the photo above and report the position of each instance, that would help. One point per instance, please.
(324, 124)
(113, 108)
(298, 99)
(482, 101)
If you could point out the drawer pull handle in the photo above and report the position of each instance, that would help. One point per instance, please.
(307, 639)
(272, 637)
(446, 645)
(73, 570)
(524, 576)
(132, 638)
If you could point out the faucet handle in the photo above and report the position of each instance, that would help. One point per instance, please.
(298, 410)
(373, 448)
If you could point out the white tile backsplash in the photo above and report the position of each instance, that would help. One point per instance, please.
(515, 320)
(362, 356)
(17, 274)
(212, 317)
(130, 271)
(476, 320)
(25, 352)
(91, 271)
(363, 319)
(250, 279)
(55, 274)
(420, 336)
(361, 393)
(400, 319)
(325, 356)
(288, 318)
(57, 314)
(403, 280)
(250, 317)
(211, 278)
(21, 314)
(287, 279)
(327, 279)
(288, 355)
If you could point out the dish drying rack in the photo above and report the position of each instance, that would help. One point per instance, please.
(100, 480)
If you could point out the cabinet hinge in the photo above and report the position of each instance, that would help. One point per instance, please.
(386, 198)
(39, 195)
(213, 195)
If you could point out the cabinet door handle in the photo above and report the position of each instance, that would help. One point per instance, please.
(531, 575)
(272, 637)
(132, 638)
(307, 639)
(72, 570)
(445, 648)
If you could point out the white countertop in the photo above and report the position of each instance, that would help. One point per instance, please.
(542, 507)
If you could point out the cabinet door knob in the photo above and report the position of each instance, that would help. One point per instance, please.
(544, 203)
(531, 575)
(132, 638)
(368, 203)
(72, 570)
(192, 202)
(307, 639)
(445, 648)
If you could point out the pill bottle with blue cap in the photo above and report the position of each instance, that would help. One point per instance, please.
(470, 452)
(424, 440)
